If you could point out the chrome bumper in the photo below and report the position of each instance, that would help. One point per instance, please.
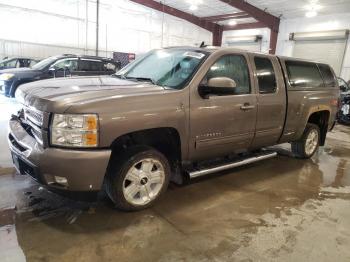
(84, 169)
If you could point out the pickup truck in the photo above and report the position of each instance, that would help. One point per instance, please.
(174, 114)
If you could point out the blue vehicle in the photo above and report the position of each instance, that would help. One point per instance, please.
(16, 62)
(56, 66)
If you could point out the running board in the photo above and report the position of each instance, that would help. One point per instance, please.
(207, 171)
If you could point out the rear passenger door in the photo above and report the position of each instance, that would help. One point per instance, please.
(271, 100)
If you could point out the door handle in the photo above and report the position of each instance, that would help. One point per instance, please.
(247, 106)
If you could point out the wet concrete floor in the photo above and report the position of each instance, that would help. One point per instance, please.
(281, 209)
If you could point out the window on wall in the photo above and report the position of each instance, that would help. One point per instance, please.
(266, 75)
(234, 67)
(328, 77)
(304, 74)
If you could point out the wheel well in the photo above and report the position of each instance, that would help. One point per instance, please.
(166, 140)
(321, 119)
(15, 85)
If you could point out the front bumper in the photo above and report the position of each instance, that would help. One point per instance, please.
(5, 87)
(84, 169)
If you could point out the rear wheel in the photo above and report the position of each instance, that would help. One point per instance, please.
(308, 144)
(137, 178)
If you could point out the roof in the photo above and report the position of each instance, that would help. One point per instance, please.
(212, 49)
(85, 56)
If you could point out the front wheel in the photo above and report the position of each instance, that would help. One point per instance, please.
(137, 178)
(308, 144)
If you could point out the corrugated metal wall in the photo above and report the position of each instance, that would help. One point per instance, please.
(40, 28)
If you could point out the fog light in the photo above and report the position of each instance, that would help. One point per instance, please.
(61, 180)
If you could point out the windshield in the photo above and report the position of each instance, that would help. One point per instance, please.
(344, 87)
(44, 63)
(7, 61)
(168, 67)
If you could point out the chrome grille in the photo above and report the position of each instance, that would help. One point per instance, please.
(35, 119)
(34, 116)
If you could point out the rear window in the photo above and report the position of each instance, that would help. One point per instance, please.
(304, 74)
(266, 75)
(328, 77)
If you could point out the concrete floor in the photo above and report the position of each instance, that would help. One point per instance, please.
(281, 209)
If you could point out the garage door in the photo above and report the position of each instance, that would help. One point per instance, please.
(254, 47)
(249, 43)
(330, 51)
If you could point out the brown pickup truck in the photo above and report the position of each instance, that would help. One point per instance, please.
(174, 113)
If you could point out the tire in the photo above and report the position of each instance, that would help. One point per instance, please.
(303, 148)
(133, 191)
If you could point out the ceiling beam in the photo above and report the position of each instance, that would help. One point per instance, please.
(269, 20)
(244, 26)
(216, 18)
(208, 25)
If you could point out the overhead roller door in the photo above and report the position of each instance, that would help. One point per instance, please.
(328, 47)
(249, 43)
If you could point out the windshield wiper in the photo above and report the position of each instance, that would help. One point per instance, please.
(144, 79)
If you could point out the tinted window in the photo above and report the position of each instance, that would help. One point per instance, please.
(304, 74)
(266, 75)
(328, 77)
(24, 62)
(70, 64)
(234, 67)
(91, 65)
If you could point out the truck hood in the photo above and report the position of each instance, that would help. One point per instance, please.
(56, 95)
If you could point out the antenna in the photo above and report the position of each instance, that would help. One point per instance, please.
(202, 45)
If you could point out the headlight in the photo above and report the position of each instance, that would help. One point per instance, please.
(6, 76)
(74, 130)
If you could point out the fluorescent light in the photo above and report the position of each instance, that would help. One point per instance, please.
(311, 13)
(193, 7)
(311, 7)
(232, 22)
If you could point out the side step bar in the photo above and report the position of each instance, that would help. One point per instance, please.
(203, 172)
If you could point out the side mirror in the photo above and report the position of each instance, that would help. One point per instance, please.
(52, 71)
(66, 71)
(342, 88)
(218, 86)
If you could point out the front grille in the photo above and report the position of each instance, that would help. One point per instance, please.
(34, 119)
(35, 116)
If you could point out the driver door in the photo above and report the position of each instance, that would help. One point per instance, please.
(65, 67)
(223, 124)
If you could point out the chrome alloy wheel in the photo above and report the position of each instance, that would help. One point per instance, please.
(143, 182)
(311, 142)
